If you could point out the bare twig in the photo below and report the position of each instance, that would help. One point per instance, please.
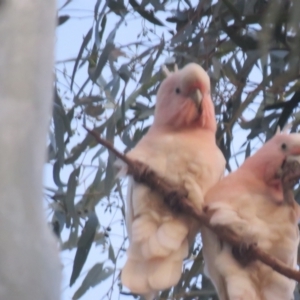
(176, 199)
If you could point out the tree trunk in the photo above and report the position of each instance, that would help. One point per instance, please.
(29, 262)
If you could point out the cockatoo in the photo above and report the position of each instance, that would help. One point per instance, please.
(250, 202)
(180, 146)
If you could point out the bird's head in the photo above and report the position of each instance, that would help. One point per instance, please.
(267, 162)
(183, 99)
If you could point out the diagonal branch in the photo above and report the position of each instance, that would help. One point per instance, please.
(176, 199)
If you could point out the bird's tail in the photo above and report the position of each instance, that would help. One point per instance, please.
(155, 255)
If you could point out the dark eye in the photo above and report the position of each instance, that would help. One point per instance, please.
(177, 91)
(283, 146)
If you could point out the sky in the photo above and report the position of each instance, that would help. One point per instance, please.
(68, 40)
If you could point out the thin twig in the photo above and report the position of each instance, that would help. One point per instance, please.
(176, 199)
(108, 145)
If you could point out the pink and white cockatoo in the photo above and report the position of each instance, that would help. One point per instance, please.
(180, 146)
(250, 202)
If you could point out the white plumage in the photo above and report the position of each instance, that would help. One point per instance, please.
(180, 146)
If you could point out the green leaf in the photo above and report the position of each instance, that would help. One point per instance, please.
(56, 174)
(184, 34)
(109, 180)
(237, 64)
(96, 8)
(95, 276)
(58, 222)
(111, 254)
(117, 6)
(232, 9)
(102, 61)
(59, 128)
(124, 72)
(103, 25)
(245, 41)
(62, 19)
(125, 137)
(148, 68)
(111, 36)
(96, 191)
(70, 197)
(82, 47)
(248, 150)
(230, 73)
(217, 68)
(148, 15)
(72, 241)
(115, 87)
(98, 153)
(84, 245)
(60, 115)
(88, 100)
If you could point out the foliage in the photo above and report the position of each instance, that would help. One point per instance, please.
(250, 50)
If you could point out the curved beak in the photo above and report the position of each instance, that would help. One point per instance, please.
(197, 97)
(294, 154)
(293, 158)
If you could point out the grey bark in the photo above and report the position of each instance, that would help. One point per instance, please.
(29, 262)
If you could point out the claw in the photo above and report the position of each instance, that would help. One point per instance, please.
(195, 194)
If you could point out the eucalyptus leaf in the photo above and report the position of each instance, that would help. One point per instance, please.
(84, 245)
(82, 47)
(102, 60)
(62, 19)
(56, 174)
(95, 276)
(111, 254)
(148, 15)
(70, 197)
(146, 74)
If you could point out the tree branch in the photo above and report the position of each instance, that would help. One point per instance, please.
(176, 199)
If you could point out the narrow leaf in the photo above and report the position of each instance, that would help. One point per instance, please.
(96, 8)
(111, 36)
(102, 60)
(248, 150)
(59, 131)
(148, 68)
(56, 174)
(148, 15)
(117, 7)
(95, 275)
(111, 254)
(231, 7)
(103, 24)
(62, 19)
(110, 170)
(84, 245)
(60, 114)
(115, 87)
(70, 195)
(98, 153)
(230, 73)
(58, 222)
(82, 47)
(217, 67)
(124, 72)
